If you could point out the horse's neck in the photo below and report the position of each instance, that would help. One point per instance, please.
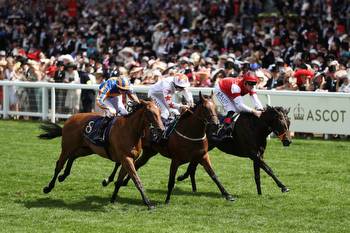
(192, 126)
(264, 126)
(134, 124)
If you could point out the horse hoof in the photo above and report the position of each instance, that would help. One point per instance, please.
(285, 190)
(167, 202)
(104, 182)
(61, 178)
(181, 178)
(230, 197)
(47, 190)
(151, 207)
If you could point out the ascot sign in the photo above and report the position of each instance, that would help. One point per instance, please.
(319, 114)
(312, 112)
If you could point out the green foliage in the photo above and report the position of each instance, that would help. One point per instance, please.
(317, 173)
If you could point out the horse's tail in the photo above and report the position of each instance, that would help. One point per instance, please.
(52, 131)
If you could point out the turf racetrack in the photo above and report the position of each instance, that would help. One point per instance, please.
(316, 171)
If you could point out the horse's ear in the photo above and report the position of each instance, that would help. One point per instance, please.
(143, 102)
(201, 96)
(287, 110)
(211, 94)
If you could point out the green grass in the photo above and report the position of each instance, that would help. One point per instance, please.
(316, 171)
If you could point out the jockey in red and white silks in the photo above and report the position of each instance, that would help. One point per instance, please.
(110, 96)
(229, 92)
(162, 93)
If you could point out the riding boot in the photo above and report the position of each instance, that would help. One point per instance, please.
(225, 132)
(102, 128)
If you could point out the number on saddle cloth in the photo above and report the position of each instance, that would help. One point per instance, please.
(97, 130)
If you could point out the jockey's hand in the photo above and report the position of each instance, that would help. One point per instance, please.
(257, 113)
(111, 112)
(184, 108)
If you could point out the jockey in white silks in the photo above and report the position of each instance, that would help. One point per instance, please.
(163, 92)
(110, 99)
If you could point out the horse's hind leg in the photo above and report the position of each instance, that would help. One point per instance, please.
(67, 170)
(171, 182)
(269, 171)
(78, 153)
(59, 165)
(209, 169)
(108, 180)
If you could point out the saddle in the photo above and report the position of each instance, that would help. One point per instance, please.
(91, 130)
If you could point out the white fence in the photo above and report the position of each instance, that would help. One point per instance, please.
(312, 112)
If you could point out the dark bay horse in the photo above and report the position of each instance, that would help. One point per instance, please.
(124, 142)
(249, 140)
(187, 143)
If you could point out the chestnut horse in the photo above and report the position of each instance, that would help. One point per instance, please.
(249, 140)
(124, 142)
(187, 143)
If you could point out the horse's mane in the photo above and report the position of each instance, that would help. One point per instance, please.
(133, 107)
(192, 109)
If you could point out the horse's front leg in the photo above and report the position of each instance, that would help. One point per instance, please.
(269, 171)
(128, 165)
(191, 171)
(171, 182)
(257, 176)
(141, 161)
(108, 180)
(209, 169)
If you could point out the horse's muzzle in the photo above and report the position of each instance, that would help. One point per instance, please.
(286, 142)
(156, 134)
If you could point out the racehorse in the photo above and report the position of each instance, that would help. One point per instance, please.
(124, 142)
(249, 140)
(187, 143)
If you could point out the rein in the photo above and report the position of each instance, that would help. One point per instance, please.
(191, 139)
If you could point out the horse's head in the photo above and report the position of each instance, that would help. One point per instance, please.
(153, 119)
(279, 122)
(206, 110)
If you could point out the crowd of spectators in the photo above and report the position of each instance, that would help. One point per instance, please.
(290, 45)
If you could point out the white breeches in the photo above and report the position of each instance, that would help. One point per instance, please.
(165, 112)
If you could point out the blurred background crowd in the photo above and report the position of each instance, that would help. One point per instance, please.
(290, 45)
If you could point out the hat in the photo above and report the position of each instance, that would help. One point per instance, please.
(70, 65)
(316, 62)
(66, 57)
(341, 74)
(126, 51)
(313, 51)
(279, 60)
(2, 53)
(135, 69)
(223, 57)
(185, 30)
(99, 71)
(229, 25)
(203, 71)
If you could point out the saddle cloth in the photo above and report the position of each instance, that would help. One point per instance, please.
(91, 131)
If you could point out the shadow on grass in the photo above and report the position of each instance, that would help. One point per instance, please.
(90, 203)
(180, 192)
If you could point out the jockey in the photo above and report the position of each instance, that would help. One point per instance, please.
(162, 93)
(230, 92)
(110, 99)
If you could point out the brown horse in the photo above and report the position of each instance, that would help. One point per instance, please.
(187, 143)
(249, 140)
(124, 142)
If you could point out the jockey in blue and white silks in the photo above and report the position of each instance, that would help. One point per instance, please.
(110, 99)
(110, 96)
